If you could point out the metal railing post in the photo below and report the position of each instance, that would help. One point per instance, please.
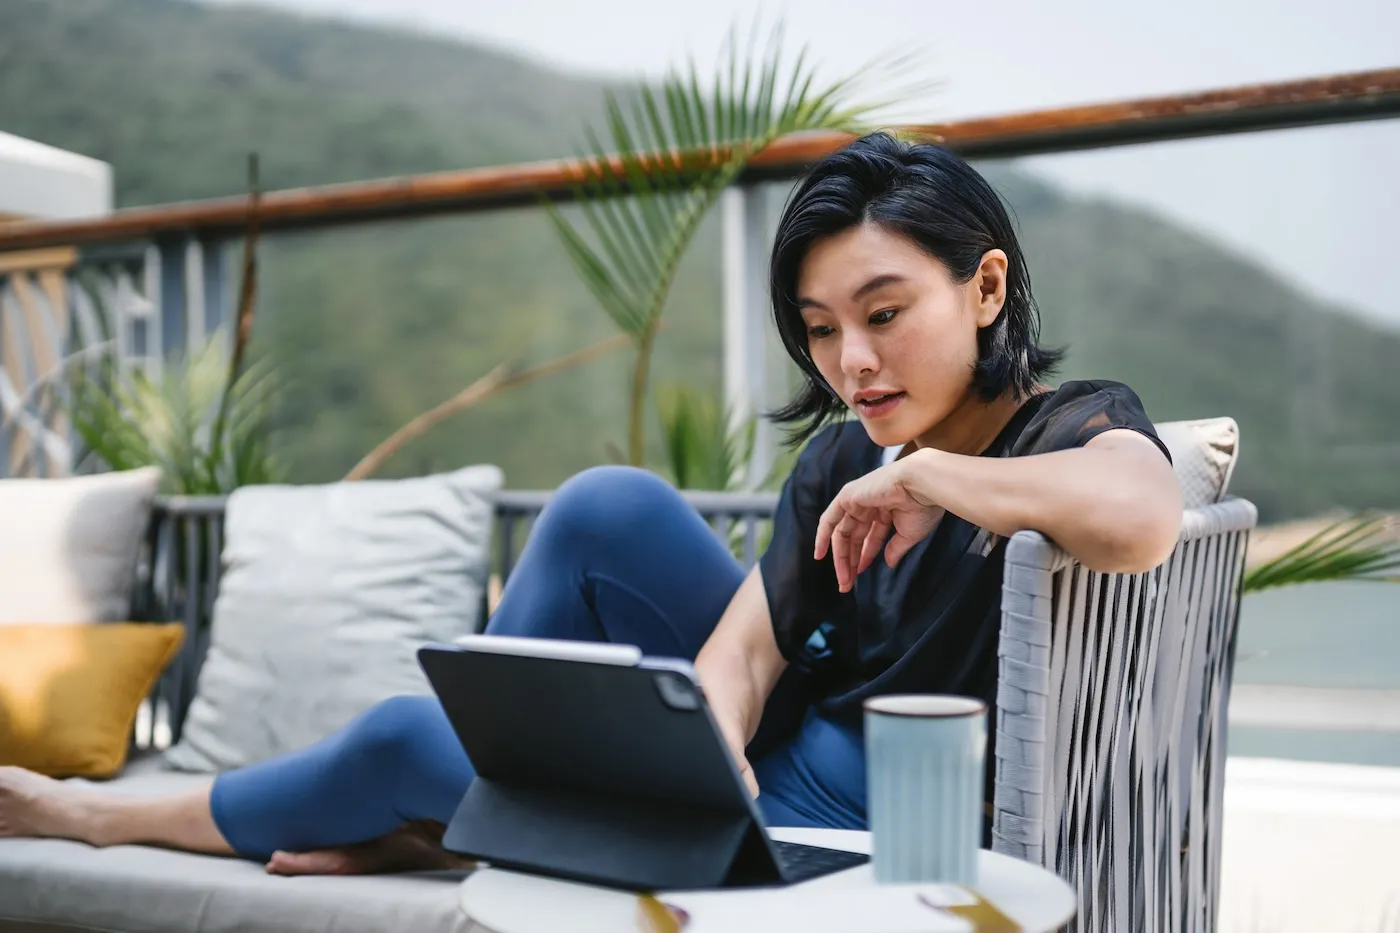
(215, 297)
(745, 270)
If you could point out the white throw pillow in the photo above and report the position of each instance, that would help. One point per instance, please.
(326, 595)
(68, 547)
(1204, 453)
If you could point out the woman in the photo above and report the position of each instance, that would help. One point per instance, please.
(900, 291)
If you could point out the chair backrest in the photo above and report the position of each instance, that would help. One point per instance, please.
(1111, 723)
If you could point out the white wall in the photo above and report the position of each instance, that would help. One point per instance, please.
(41, 182)
(1310, 847)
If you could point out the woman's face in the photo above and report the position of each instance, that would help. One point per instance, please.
(890, 330)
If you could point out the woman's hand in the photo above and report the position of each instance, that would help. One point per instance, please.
(733, 739)
(858, 521)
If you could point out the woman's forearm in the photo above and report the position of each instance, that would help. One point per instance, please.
(1113, 504)
(732, 690)
(740, 662)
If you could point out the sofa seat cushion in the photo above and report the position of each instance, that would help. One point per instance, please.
(65, 887)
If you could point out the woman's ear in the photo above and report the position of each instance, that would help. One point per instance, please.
(989, 284)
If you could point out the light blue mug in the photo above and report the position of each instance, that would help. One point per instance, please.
(925, 762)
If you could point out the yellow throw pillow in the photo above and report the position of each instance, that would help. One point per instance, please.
(69, 694)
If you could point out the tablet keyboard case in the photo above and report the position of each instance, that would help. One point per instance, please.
(586, 772)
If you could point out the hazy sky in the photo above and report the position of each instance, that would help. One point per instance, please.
(1318, 205)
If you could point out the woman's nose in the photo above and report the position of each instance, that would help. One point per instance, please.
(858, 357)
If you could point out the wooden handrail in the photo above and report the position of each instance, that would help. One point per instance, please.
(1334, 99)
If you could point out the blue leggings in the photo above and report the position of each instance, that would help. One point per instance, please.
(617, 556)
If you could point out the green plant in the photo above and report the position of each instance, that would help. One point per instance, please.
(670, 152)
(1354, 548)
(203, 419)
(705, 449)
(204, 440)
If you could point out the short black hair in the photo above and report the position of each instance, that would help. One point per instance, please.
(931, 196)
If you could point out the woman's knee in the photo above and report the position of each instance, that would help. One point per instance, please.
(602, 501)
(389, 731)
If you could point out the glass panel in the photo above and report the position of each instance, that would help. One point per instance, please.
(1247, 276)
(1205, 317)
(375, 325)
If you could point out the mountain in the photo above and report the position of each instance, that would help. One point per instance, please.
(175, 94)
(373, 324)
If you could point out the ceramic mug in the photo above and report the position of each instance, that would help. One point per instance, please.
(925, 765)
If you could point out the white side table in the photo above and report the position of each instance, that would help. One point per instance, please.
(503, 901)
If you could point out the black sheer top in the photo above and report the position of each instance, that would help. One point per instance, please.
(929, 625)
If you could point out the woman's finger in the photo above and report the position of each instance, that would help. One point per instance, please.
(840, 544)
(871, 543)
(850, 533)
(899, 546)
(853, 531)
(826, 526)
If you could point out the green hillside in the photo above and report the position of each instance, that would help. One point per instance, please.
(174, 94)
(376, 323)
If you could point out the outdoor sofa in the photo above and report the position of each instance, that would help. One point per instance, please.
(1110, 712)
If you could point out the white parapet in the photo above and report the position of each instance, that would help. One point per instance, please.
(41, 182)
(1310, 846)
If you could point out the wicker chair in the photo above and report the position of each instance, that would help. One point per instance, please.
(1111, 722)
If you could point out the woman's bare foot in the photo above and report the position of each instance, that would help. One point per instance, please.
(412, 847)
(34, 805)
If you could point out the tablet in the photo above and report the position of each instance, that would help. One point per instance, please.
(599, 764)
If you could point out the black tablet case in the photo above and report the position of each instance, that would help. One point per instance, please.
(586, 772)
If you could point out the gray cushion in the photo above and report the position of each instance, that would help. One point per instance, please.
(68, 547)
(326, 595)
(59, 887)
(1204, 453)
(55, 887)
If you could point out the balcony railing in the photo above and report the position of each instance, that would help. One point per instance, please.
(153, 281)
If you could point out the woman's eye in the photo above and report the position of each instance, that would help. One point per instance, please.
(819, 330)
(883, 317)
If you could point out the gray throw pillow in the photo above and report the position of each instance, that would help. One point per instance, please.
(1204, 453)
(327, 592)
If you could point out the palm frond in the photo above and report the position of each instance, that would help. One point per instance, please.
(664, 154)
(1354, 548)
(704, 449)
(128, 419)
(97, 408)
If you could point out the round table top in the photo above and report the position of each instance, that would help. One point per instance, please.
(512, 902)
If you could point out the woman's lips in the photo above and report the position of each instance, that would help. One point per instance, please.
(880, 406)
